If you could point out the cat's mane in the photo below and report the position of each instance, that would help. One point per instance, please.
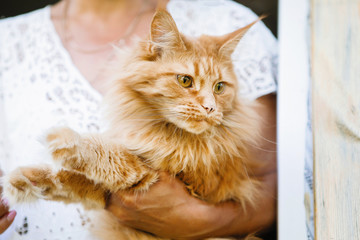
(137, 124)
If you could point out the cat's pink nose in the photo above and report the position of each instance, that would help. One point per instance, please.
(209, 109)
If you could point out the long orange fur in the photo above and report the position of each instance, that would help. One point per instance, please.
(156, 125)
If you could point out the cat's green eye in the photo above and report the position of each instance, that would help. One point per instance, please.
(219, 88)
(185, 81)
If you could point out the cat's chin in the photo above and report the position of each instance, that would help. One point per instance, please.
(195, 127)
(196, 131)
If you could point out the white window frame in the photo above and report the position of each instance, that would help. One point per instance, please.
(292, 114)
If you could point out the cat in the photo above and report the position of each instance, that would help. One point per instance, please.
(173, 107)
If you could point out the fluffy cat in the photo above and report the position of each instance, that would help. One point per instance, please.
(173, 107)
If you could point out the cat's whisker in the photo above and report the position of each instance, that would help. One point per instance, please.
(262, 149)
(267, 140)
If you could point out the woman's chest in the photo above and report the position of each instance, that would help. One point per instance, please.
(35, 101)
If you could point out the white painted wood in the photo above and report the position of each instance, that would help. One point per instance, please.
(292, 113)
(336, 117)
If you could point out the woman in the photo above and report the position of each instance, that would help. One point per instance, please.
(51, 73)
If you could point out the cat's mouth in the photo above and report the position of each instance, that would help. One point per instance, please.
(193, 120)
(212, 120)
(195, 124)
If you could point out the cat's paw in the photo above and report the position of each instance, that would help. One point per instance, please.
(64, 146)
(27, 184)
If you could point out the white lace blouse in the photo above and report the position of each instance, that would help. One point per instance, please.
(40, 88)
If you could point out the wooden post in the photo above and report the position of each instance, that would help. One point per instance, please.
(335, 62)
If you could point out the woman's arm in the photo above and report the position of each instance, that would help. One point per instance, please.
(167, 209)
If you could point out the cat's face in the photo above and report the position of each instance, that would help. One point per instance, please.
(189, 82)
(192, 90)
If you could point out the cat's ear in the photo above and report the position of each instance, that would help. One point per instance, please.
(229, 41)
(164, 34)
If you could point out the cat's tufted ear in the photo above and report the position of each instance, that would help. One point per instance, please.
(164, 34)
(229, 41)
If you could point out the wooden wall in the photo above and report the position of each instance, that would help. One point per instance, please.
(335, 62)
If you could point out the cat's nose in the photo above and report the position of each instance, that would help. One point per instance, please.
(209, 109)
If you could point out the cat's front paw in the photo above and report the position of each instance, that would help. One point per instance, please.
(27, 184)
(64, 146)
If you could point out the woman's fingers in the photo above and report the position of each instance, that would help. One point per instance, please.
(6, 217)
(6, 220)
(4, 207)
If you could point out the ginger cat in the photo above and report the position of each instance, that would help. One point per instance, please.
(173, 107)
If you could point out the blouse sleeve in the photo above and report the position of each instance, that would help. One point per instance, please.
(255, 58)
(2, 120)
(3, 137)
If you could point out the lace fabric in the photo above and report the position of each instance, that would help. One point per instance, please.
(41, 88)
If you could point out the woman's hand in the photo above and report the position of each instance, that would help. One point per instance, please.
(6, 217)
(168, 210)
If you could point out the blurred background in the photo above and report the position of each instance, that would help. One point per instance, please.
(267, 7)
(10, 8)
